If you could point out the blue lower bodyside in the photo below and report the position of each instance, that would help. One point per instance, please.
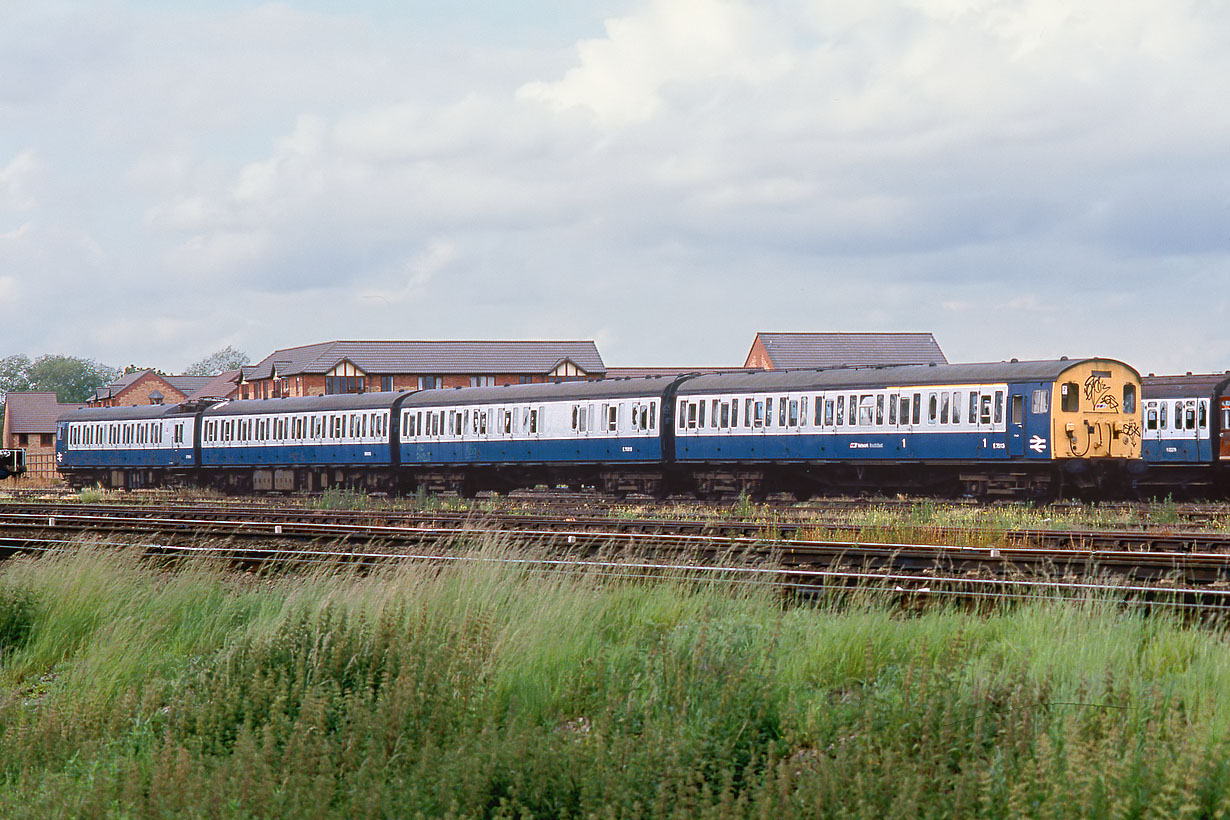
(1176, 451)
(843, 447)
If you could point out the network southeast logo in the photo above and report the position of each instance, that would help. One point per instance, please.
(1037, 444)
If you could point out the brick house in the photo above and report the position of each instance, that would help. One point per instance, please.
(787, 351)
(30, 425)
(372, 366)
(148, 387)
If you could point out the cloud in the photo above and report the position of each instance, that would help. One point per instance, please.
(18, 181)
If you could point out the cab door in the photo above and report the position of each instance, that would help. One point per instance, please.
(1016, 421)
(1225, 427)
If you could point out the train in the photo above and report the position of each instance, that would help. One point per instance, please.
(12, 463)
(1014, 429)
(1185, 435)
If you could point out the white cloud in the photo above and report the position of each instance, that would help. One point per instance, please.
(18, 180)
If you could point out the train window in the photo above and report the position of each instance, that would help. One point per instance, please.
(905, 409)
(481, 415)
(726, 414)
(803, 410)
(984, 409)
(1150, 415)
(1018, 409)
(713, 414)
(747, 413)
(781, 412)
(507, 422)
(1204, 415)
(841, 410)
(943, 408)
(917, 408)
(692, 415)
(865, 406)
(683, 414)
(533, 420)
(852, 418)
(768, 412)
(1178, 415)
(793, 417)
(999, 407)
(1129, 398)
(819, 410)
(973, 407)
(1041, 402)
(1189, 415)
(880, 410)
(734, 413)
(892, 409)
(932, 408)
(1069, 397)
(1162, 415)
(956, 408)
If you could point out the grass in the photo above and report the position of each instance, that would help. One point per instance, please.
(489, 689)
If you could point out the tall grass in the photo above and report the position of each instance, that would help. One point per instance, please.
(492, 689)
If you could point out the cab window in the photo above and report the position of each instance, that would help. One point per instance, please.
(1069, 397)
(1129, 398)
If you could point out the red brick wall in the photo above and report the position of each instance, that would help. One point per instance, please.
(137, 393)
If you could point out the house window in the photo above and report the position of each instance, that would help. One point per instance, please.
(430, 382)
(22, 439)
(480, 381)
(386, 384)
(344, 384)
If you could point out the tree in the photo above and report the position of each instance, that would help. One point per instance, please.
(14, 377)
(73, 380)
(228, 358)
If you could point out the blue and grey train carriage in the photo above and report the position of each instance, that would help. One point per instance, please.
(127, 446)
(1012, 428)
(1186, 434)
(599, 433)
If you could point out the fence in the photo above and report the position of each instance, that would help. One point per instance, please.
(40, 472)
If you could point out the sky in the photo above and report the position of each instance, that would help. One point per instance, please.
(1022, 178)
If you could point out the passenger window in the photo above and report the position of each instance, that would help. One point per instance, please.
(1162, 419)
(653, 415)
(747, 413)
(683, 414)
(865, 406)
(932, 409)
(759, 409)
(701, 414)
(973, 407)
(1129, 398)
(828, 412)
(768, 412)
(692, 415)
(892, 409)
(1204, 415)
(1041, 402)
(850, 419)
(725, 414)
(841, 410)
(999, 406)
(984, 414)
(943, 408)
(956, 408)
(880, 410)
(734, 413)
(803, 411)
(1069, 397)
(713, 414)
(917, 405)
(794, 413)
(781, 412)
(612, 422)
(1150, 416)
(905, 409)
(1190, 416)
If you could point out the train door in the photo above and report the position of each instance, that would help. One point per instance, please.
(1016, 421)
(1225, 426)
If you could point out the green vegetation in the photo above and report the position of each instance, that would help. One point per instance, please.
(491, 689)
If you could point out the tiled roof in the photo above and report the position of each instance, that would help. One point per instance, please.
(184, 384)
(33, 412)
(795, 350)
(430, 358)
(218, 387)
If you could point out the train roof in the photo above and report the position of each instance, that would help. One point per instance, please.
(1190, 385)
(334, 402)
(1046, 370)
(141, 412)
(644, 387)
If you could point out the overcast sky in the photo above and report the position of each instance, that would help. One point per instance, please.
(1024, 178)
